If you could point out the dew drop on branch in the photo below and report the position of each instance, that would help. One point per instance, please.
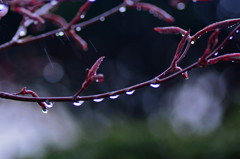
(45, 111)
(49, 104)
(78, 28)
(91, 0)
(192, 42)
(22, 33)
(122, 9)
(53, 2)
(231, 37)
(102, 19)
(216, 53)
(98, 100)
(78, 103)
(60, 33)
(114, 96)
(130, 92)
(154, 85)
(237, 31)
(181, 6)
(82, 16)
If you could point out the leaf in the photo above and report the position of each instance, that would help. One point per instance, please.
(156, 11)
(226, 57)
(94, 68)
(170, 30)
(217, 25)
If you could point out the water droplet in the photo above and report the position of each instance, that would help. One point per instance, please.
(98, 99)
(60, 33)
(194, 1)
(130, 92)
(231, 37)
(192, 42)
(216, 53)
(114, 96)
(91, 0)
(45, 111)
(53, 2)
(139, 8)
(221, 48)
(102, 19)
(237, 31)
(122, 9)
(49, 104)
(181, 6)
(22, 33)
(78, 103)
(82, 16)
(78, 28)
(154, 85)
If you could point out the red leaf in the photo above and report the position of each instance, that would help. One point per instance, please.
(217, 25)
(155, 11)
(170, 30)
(226, 57)
(94, 68)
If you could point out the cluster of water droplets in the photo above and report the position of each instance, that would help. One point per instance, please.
(60, 33)
(48, 105)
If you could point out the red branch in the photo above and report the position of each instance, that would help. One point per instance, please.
(33, 10)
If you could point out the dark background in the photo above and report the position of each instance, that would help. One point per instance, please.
(134, 53)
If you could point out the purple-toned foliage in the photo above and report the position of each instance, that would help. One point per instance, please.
(38, 12)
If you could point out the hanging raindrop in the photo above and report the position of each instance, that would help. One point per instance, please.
(49, 104)
(102, 19)
(22, 33)
(231, 37)
(122, 9)
(78, 103)
(45, 111)
(237, 31)
(98, 100)
(192, 42)
(82, 16)
(78, 28)
(154, 85)
(114, 96)
(181, 6)
(216, 53)
(130, 92)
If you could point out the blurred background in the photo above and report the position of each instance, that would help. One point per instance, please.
(194, 118)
